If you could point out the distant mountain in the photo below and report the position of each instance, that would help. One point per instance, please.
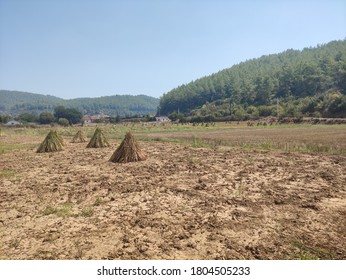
(16, 102)
(10, 100)
(294, 83)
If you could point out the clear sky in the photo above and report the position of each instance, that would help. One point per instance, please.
(90, 48)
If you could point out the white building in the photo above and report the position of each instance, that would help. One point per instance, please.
(162, 119)
(13, 123)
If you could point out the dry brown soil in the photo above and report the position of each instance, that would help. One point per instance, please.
(181, 203)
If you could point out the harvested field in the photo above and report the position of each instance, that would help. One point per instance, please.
(183, 202)
(306, 138)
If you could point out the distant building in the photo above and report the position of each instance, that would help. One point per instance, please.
(13, 123)
(87, 119)
(95, 118)
(162, 119)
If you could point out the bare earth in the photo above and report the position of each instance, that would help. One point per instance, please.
(181, 203)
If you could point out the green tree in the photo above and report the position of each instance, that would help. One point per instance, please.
(71, 114)
(46, 118)
(115, 119)
(63, 122)
(335, 105)
(240, 114)
(4, 118)
(27, 117)
(60, 112)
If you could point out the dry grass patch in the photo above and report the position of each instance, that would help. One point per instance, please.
(7, 173)
(63, 210)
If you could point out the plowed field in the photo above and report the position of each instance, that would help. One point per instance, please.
(181, 203)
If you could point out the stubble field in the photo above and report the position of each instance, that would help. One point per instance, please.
(223, 192)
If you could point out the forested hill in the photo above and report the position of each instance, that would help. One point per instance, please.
(15, 99)
(15, 103)
(308, 82)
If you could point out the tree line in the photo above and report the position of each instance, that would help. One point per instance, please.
(15, 103)
(311, 82)
(61, 115)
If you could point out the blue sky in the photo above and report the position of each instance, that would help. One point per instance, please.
(90, 48)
